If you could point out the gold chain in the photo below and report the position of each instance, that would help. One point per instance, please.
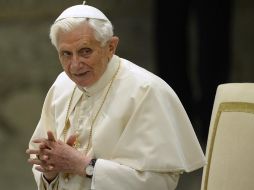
(67, 121)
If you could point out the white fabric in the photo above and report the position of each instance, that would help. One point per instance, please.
(230, 142)
(112, 176)
(142, 131)
(82, 11)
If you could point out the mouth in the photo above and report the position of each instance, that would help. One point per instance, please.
(81, 74)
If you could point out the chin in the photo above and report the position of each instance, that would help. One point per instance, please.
(83, 84)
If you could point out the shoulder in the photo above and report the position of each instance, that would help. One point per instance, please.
(146, 86)
(137, 76)
(63, 82)
(62, 86)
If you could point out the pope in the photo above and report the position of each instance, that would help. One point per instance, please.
(106, 123)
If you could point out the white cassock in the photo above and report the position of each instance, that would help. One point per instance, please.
(142, 137)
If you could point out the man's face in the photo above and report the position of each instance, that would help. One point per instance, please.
(81, 56)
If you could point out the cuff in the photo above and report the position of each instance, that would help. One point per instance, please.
(51, 185)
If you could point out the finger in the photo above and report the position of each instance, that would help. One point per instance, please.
(71, 140)
(43, 157)
(35, 161)
(42, 143)
(50, 168)
(43, 169)
(32, 151)
(43, 146)
(51, 136)
(41, 140)
(47, 152)
(39, 168)
(47, 145)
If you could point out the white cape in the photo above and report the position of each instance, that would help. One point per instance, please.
(142, 126)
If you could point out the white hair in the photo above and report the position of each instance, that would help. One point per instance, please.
(103, 30)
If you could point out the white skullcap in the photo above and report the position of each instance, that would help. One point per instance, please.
(81, 11)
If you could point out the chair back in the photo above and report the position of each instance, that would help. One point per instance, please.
(230, 145)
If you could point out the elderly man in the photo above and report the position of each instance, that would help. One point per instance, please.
(107, 124)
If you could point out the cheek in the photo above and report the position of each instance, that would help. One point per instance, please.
(99, 64)
(66, 68)
(62, 62)
(94, 63)
(63, 66)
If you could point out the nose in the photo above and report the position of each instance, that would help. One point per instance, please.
(75, 61)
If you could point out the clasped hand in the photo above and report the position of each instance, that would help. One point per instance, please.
(54, 156)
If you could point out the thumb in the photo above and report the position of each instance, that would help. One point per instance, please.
(51, 136)
(71, 140)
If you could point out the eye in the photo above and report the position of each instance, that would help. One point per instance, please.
(65, 53)
(85, 52)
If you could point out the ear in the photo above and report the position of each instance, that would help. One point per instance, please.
(113, 45)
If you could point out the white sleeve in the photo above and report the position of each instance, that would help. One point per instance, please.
(109, 175)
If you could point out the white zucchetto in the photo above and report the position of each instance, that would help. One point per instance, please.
(81, 11)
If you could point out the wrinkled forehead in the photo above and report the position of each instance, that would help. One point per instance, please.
(81, 11)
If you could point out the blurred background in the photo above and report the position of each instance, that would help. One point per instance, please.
(192, 45)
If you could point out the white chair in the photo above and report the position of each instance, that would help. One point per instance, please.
(230, 145)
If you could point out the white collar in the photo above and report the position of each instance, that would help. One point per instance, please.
(104, 79)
